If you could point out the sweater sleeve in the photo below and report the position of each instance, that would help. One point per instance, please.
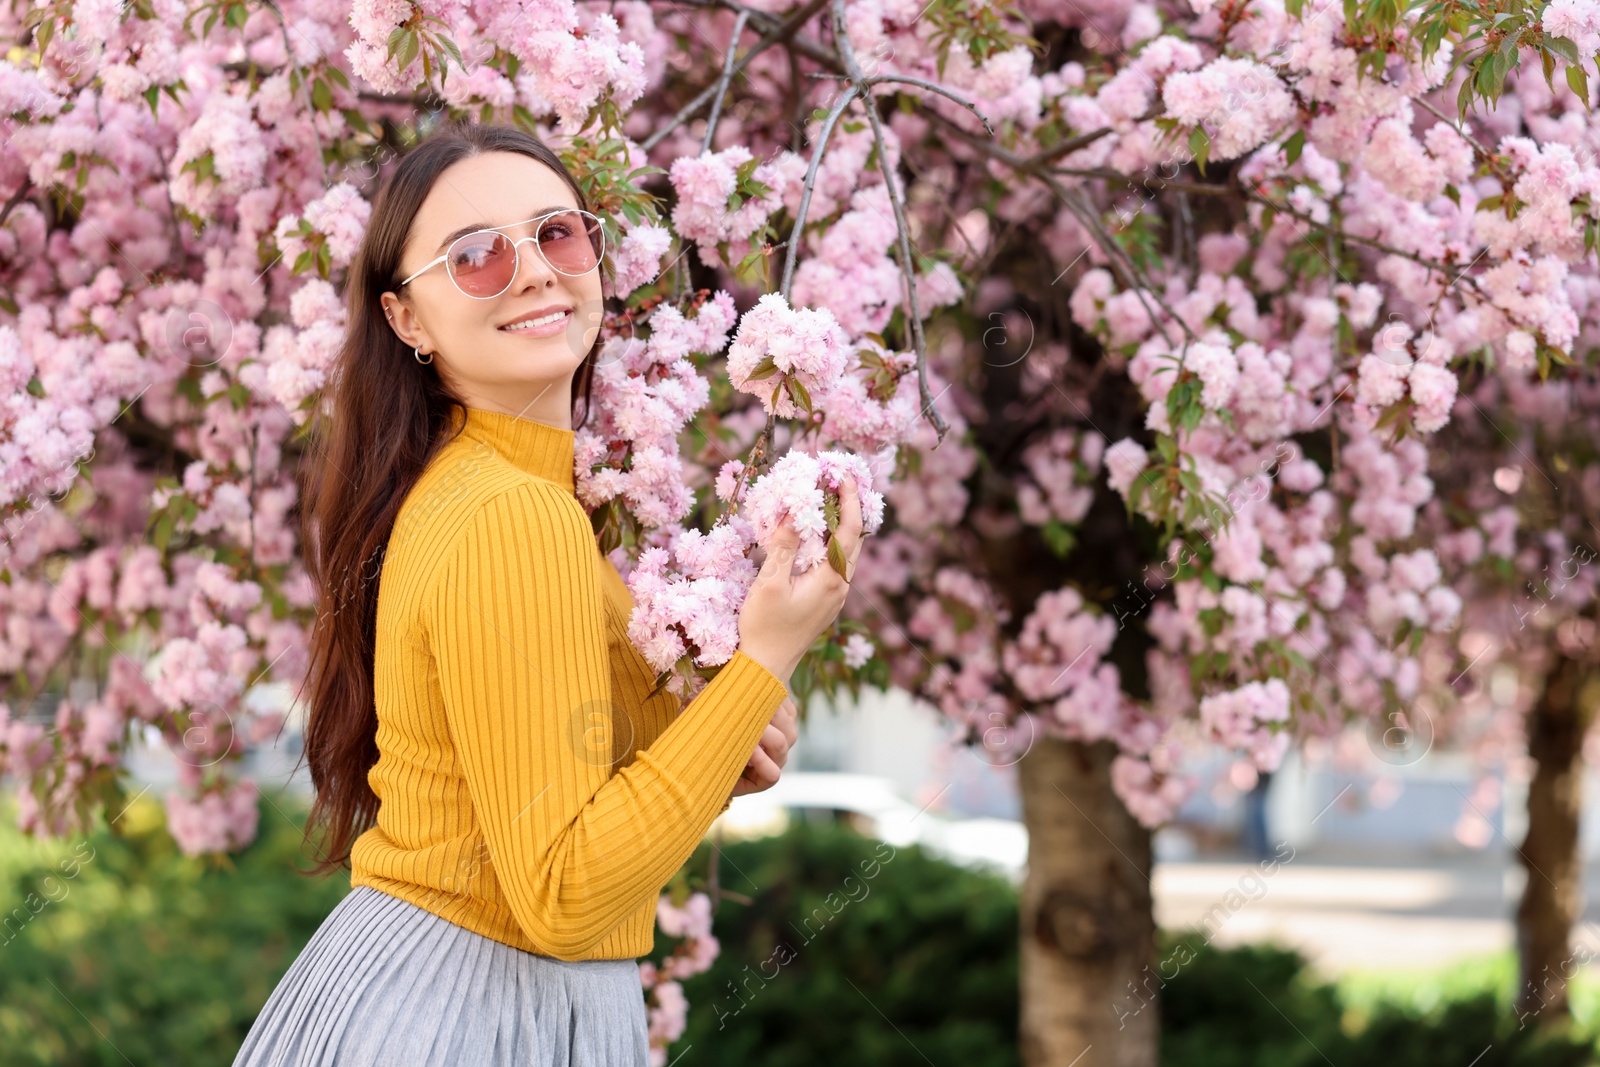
(515, 624)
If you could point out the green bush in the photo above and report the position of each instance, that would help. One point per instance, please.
(137, 953)
(1257, 1006)
(853, 951)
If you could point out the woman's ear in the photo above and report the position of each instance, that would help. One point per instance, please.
(403, 321)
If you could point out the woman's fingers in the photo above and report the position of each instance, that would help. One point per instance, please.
(849, 531)
(761, 772)
(766, 762)
(775, 743)
(786, 719)
(780, 552)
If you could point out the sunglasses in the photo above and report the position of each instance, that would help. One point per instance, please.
(483, 263)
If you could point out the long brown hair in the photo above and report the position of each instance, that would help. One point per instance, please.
(389, 416)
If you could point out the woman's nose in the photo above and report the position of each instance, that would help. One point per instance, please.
(533, 260)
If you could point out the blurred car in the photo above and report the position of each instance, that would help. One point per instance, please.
(877, 809)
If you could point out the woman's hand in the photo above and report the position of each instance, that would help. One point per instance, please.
(783, 613)
(772, 753)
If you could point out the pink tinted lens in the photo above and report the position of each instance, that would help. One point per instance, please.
(481, 263)
(571, 242)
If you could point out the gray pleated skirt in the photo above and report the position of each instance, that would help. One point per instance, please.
(385, 983)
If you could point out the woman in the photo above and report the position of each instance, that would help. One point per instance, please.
(487, 757)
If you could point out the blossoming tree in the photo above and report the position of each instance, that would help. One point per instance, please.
(1133, 320)
(1513, 522)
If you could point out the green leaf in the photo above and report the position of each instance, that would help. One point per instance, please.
(1578, 82)
(766, 368)
(1564, 47)
(321, 95)
(1059, 537)
(163, 531)
(1464, 99)
(802, 396)
(1293, 146)
(356, 121)
(836, 558)
(1199, 146)
(454, 50)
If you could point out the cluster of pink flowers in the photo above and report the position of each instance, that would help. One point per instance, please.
(1063, 468)
(227, 136)
(24, 744)
(1576, 20)
(44, 439)
(218, 820)
(1049, 657)
(636, 260)
(204, 670)
(668, 1014)
(298, 353)
(565, 73)
(1125, 461)
(1153, 787)
(874, 404)
(339, 217)
(704, 185)
(1217, 369)
(1390, 375)
(857, 651)
(687, 595)
(1242, 718)
(645, 392)
(795, 489)
(804, 344)
(1240, 102)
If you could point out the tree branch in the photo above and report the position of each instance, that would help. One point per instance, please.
(775, 32)
(902, 230)
(722, 82)
(811, 180)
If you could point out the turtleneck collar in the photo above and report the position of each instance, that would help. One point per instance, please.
(536, 447)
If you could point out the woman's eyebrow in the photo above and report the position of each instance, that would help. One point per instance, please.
(463, 231)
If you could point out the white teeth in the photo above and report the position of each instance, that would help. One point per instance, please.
(554, 317)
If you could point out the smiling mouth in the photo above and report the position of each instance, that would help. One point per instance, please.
(536, 325)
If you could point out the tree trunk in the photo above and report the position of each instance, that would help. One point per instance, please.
(1087, 924)
(1549, 853)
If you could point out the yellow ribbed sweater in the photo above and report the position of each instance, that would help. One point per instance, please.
(528, 790)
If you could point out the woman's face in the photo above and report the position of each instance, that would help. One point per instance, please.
(527, 373)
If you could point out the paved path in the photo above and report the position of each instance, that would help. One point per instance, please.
(1349, 916)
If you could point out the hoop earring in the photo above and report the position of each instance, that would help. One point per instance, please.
(418, 353)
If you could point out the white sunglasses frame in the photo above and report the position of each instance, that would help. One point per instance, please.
(516, 251)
